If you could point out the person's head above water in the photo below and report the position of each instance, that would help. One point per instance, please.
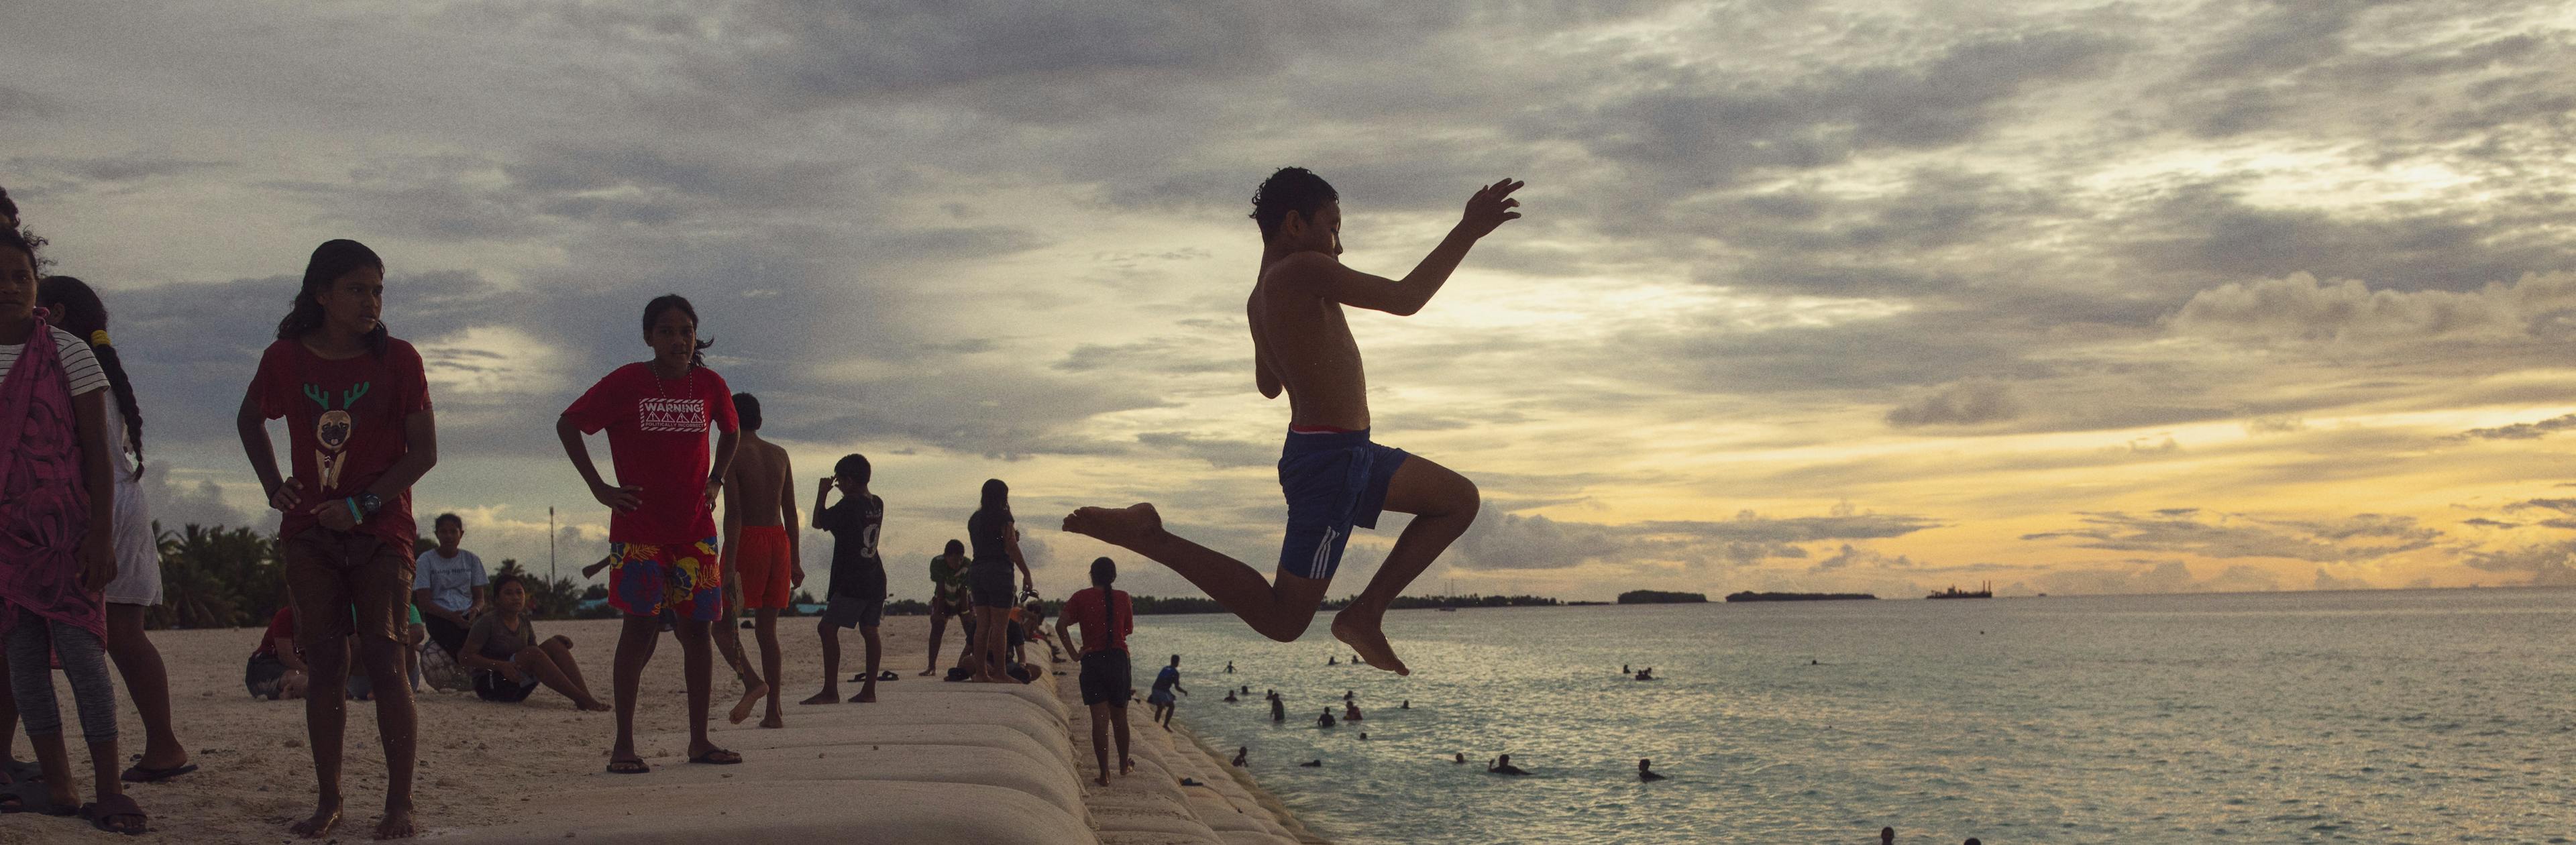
(1886, 834)
(1643, 764)
(671, 328)
(852, 469)
(1104, 572)
(746, 411)
(1298, 212)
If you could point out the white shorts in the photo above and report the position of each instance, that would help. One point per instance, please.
(138, 553)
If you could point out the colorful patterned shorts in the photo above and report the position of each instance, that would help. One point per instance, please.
(686, 579)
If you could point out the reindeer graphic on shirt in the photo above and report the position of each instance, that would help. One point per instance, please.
(333, 430)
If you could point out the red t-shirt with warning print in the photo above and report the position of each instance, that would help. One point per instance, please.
(344, 426)
(657, 439)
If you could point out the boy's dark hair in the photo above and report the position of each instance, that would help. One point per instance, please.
(1103, 572)
(504, 580)
(331, 260)
(79, 311)
(957, 548)
(1290, 189)
(446, 518)
(746, 409)
(1176, 660)
(653, 311)
(11, 240)
(855, 466)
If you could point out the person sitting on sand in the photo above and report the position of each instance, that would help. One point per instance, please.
(1325, 720)
(276, 670)
(1335, 477)
(858, 589)
(1350, 712)
(1240, 752)
(1107, 618)
(1505, 767)
(1646, 772)
(511, 662)
(1166, 682)
(948, 598)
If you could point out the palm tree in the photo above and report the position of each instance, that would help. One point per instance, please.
(219, 578)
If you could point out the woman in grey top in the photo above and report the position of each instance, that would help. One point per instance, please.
(996, 543)
(507, 665)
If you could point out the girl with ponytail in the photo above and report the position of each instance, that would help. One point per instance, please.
(72, 306)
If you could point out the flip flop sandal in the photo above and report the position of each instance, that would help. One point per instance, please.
(103, 814)
(717, 757)
(889, 675)
(628, 767)
(19, 770)
(139, 774)
(31, 796)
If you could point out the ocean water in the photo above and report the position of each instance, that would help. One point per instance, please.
(2393, 716)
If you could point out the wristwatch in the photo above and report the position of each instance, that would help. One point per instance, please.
(368, 504)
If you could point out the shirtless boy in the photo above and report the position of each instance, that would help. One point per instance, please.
(759, 547)
(1332, 474)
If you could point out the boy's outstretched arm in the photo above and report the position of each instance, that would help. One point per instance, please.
(1262, 374)
(1491, 207)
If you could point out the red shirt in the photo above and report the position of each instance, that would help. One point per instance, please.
(1087, 610)
(657, 438)
(280, 627)
(344, 426)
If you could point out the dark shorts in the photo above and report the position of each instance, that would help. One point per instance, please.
(329, 572)
(1332, 481)
(263, 675)
(1105, 679)
(449, 636)
(854, 612)
(490, 686)
(990, 583)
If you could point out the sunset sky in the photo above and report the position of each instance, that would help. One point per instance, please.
(2076, 297)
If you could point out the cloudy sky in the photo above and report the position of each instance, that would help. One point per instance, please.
(2073, 297)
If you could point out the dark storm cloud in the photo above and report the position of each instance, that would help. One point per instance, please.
(106, 169)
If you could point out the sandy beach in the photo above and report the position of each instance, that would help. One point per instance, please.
(931, 762)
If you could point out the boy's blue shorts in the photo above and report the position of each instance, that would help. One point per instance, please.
(1333, 481)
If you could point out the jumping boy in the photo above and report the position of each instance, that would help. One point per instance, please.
(661, 523)
(1332, 474)
(858, 590)
(758, 548)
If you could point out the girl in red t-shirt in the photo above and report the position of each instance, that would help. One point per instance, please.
(358, 422)
(661, 524)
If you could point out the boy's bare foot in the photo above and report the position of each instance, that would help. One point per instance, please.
(774, 721)
(1103, 779)
(1126, 765)
(1122, 527)
(325, 817)
(867, 695)
(750, 698)
(596, 706)
(1361, 633)
(827, 696)
(397, 823)
(928, 672)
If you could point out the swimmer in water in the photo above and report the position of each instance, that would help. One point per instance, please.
(1312, 764)
(1332, 660)
(1240, 751)
(1229, 667)
(1887, 836)
(1407, 704)
(1229, 697)
(1505, 767)
(1326, 720)
(1646, 774)
(1350, 712)
(1646, 674)
(1624, 670)
(1348, 695)
(1461, 759)
(1278, 709)
(1363, 736)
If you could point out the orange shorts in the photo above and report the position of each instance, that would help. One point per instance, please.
(760, 556)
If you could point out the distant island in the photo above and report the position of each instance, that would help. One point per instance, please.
(1753, 596)
(1661, 597)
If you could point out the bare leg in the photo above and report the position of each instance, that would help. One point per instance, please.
(57, 764)
(411, 655)
(147, 681)
(876, 648)
(831, 663)
(559, 650)
(1118, 722)
(325, 716)
(8, 717)
(1100, 741)
(938, 628)
(1280, 613)
(397, 724)
(541, 666)
(992, 626)
(766, 631)
(635, 641)
(730, 643)
(103, 760)
(1443, 503)
(699, 666)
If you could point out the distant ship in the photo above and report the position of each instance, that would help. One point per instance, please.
(1983, 591)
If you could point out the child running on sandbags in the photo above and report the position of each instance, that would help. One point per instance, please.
(1333, 474)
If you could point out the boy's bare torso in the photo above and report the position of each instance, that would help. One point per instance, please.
(1301, 342)
(760, 479)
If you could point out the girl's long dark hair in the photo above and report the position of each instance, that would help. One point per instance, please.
(80, 312)
(331, 260)
(653, 311)
(997, 500)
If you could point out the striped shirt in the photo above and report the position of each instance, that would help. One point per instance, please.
(79, 366)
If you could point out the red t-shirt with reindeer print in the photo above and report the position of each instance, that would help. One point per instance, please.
(344, 426)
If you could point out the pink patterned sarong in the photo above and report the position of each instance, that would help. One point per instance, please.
(44, 503)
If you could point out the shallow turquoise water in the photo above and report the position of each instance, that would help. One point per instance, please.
(2396, 716)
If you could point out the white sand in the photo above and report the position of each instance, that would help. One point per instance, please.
(931, 762)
